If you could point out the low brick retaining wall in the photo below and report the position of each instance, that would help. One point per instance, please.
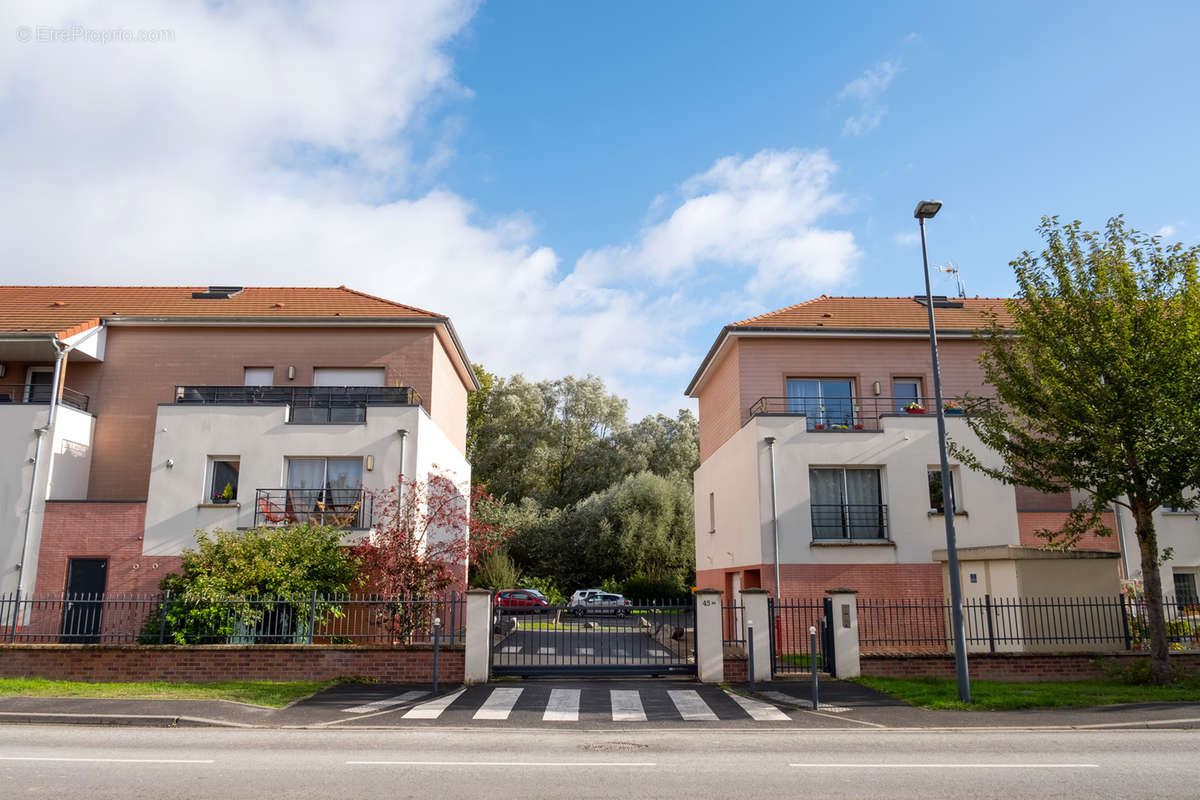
(211, 663)
(1014, 666)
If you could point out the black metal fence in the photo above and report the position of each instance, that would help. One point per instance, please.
(341, 508)
(733, 625)
(791, 642)
(832, 521)
(1007, 624)
(355, 619)
(39, 393)
(843, 414)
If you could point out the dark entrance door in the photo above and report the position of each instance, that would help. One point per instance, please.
(86, 578)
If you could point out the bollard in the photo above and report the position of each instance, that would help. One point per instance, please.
(812, 663)
(437, 629)
(750, 645)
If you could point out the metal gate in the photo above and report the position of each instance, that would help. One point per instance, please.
(649, 638)
(791, 641)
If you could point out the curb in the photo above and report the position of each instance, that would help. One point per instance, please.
(130, 720)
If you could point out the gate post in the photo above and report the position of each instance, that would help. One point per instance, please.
(844, 632)
(754, 601)
(710, 649)
(477, 661)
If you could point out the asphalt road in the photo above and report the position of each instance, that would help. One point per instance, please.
(85, 762)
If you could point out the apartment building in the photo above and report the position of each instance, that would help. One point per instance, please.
(131, 417)
(818, 433)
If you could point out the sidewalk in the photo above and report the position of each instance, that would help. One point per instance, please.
(842, 705)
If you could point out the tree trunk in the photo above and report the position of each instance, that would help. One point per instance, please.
(1160, 666)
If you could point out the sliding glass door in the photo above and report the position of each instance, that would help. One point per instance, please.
(827, 403)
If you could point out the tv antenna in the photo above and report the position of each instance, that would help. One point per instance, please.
(952, 269)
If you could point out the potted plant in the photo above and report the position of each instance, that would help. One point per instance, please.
(915, 408)
(225, 495)
(952, 407)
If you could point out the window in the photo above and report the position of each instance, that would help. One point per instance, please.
(365, 376)
(847, 503)
(936, 502)
(38, 381)
(905, 391)
(259, 376)
(1185, 589)
(828, 403)
(318, 484)
(712, 512)
(222, 472)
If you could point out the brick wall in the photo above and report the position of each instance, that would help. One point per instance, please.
(1012, 666)
(737, 670)
(1030, 522)
(210, 663)
(885, 581)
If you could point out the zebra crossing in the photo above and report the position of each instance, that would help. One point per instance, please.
(556, 705)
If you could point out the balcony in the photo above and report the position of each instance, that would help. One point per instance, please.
(39, 393)
(841, 522)
(858, 413)
(307, 405)
(341, 508)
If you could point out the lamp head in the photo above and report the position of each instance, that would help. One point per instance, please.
(927, 209)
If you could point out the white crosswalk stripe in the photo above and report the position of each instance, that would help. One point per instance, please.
(512, 648)
(788, 699)
(690, 706)
(380, 705)
(585, 651)
(627, 706)
(563, 706)
(659, 653)
(545, 651)
(499, 703)
(758, 710)
(434, 708)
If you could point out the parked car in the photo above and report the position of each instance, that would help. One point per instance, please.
(604, 603)
(581, 596)
(521, 601)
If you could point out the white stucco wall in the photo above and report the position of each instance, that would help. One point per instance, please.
(188, 435)
(438, 456)
(72, 454)
(17, 445)
(905, 449)
(1178, 531)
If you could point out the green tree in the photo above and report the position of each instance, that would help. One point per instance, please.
(1097, 376)
(477, 402)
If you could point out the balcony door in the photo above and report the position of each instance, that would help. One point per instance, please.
(38, 381)
(825, 402)
(846, 503)
(334, 482)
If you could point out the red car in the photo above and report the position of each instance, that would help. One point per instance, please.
(521, 601)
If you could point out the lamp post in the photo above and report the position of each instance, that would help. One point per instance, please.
(927, 209)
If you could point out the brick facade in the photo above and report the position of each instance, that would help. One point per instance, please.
(99, 530)
(211, 663)
(812, 580)
(1013, 666)
(1030, 522)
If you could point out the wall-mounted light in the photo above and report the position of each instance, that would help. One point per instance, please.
(370, 463)
(876, 388)
(291, 372)
(170, 463)
(3, 369)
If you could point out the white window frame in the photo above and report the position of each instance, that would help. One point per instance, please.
(712, 512)
(955, 489)
(210, 474)
(29, 373)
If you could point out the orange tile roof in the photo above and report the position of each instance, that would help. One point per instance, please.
(891, 313)
(67, 310)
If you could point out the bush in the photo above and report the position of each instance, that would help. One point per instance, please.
(639, 587)
(496, 571)
(548, 587)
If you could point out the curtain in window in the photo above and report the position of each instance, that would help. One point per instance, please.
(344, 480)
(863, 504)
(825, 489)
(306, 477)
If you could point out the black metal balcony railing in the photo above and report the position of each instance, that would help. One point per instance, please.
(857, 413)
(40, 393)
(308, 405)
(833, 522)
(341, 508)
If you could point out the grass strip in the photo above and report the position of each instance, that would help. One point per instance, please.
(942, 693)
(270, 694)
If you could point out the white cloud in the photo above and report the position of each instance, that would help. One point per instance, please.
(1166, 231)
(273, 145)
(908, 239)
(756, 214)
(866, 91)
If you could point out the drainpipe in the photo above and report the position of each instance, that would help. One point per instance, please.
(770, 440)
(60, 355)
(1121, 541)
(400, 488)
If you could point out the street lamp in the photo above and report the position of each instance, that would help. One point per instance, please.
(927, 209)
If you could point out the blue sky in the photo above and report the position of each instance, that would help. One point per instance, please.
(588, 187)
